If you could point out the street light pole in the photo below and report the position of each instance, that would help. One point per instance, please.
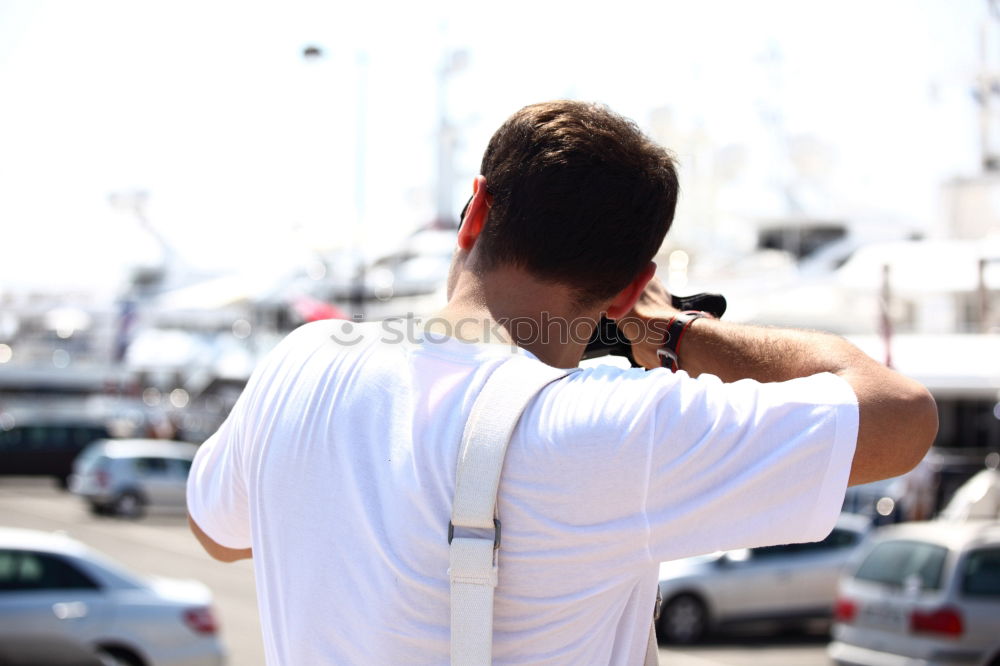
(360, 182)
(444, 215)
(357, 294)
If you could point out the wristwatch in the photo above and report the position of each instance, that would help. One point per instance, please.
(668, 351)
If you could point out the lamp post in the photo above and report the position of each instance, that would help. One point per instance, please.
(313, 53)
(454, 62)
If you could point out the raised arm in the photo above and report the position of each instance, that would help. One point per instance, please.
(897, 416)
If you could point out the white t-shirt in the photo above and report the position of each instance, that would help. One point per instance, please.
(337, 466)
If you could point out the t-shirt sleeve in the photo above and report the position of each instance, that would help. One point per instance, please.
(218, 497)
(746, 464)
(216, 490)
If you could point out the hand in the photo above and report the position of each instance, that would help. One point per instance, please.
(646, 324)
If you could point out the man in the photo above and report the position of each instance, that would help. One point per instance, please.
(336, 469)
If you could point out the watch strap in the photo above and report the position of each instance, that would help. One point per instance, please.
(669, 351)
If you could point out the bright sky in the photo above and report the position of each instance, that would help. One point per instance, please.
(249, 155)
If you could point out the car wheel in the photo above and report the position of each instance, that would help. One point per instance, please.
(116, 656)
(98, 509)
(129, 505)
(683, 619)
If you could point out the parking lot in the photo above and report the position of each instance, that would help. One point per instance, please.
(161, 545)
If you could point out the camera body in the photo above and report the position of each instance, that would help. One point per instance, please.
(609, 340)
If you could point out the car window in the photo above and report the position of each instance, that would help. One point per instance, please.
(180, 467)
(838, 538)
(981, 573)
(896, 562)
(10, 439)
(768, 552)
(54, 437)
(841, 539)
(151, 466)
(88, 458)
(45, 438)
(84, 435)
(22, 570)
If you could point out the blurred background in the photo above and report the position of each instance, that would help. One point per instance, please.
(182, 184)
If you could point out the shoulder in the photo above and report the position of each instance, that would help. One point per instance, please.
(598, 404)
(303, 351)
(331, 335)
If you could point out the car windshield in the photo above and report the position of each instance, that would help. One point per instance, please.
(89, 459)
(898, 562)
(981, 574)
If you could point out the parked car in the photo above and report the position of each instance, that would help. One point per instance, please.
(950, 470)
(45, 444)
(881, 501)
(978, 498)
(922, 593)
(127, 476)
(789, 583)
(51, 584)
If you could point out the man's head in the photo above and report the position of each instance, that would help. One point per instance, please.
(577, 196)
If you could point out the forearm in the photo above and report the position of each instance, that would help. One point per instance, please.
(735, 351)
(897, 416)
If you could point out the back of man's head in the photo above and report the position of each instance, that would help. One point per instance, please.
(579, 196)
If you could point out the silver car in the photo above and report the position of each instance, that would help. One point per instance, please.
(788, 583)
(53, 585)
(128, 476)
(922, 593)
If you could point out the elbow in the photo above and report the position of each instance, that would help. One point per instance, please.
(898, 425)
(923, 425)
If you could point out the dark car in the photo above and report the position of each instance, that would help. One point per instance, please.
(884, 502)
(46, 445)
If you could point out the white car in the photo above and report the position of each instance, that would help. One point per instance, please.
(977, 499)
(924, 594)
(52, 585)
(788, 583)
(128, 476)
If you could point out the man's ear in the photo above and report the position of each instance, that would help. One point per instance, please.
(475, 215)
(626, 298)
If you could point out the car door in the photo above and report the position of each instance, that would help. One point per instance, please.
(813, 569)
(43, 593)
(752, 583)
(978, 594)
(155, 480)
(178, 469)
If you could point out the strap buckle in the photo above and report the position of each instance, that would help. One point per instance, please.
(668, 358)
(496, 533)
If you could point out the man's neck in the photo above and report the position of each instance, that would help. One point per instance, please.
(538, 316)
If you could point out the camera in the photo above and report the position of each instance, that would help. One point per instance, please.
(608, 340)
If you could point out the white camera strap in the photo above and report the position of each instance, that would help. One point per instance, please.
(473, 558)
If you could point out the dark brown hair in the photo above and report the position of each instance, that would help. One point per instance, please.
(579, 196)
